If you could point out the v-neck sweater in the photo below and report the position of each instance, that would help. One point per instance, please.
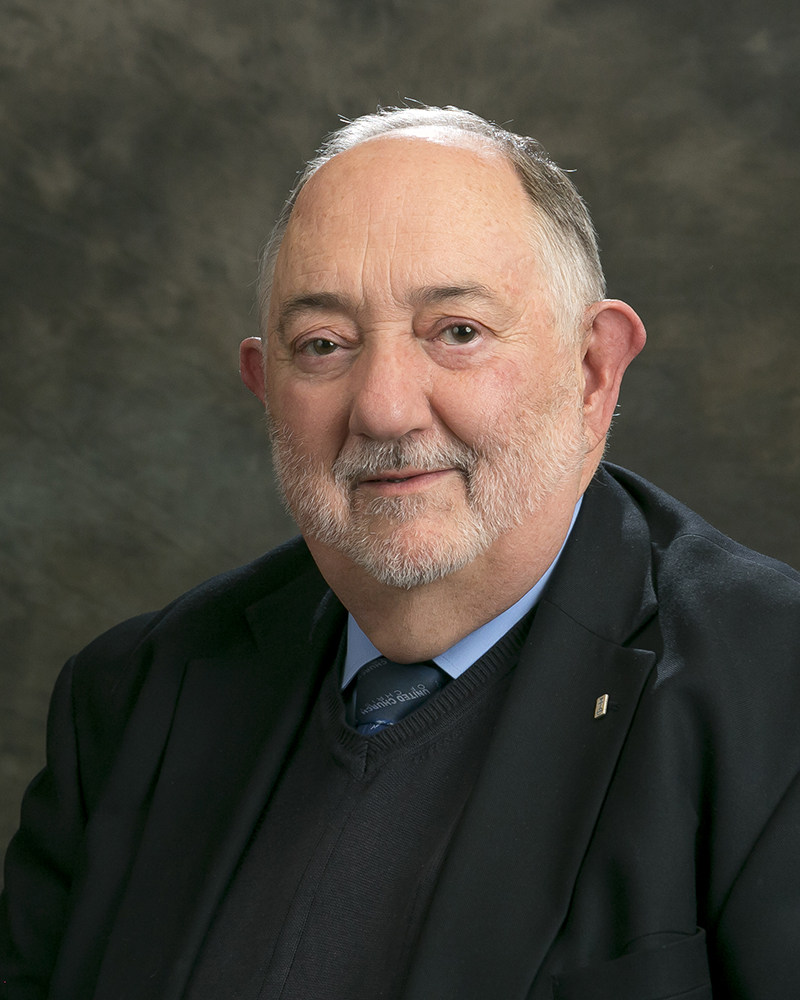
(331, 892)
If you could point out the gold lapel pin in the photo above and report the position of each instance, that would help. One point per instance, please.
(601, 706)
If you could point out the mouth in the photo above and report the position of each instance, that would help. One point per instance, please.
(396, 480)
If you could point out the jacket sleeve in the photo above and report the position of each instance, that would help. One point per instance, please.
(42, 859)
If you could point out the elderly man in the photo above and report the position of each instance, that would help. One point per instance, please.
(505, 723)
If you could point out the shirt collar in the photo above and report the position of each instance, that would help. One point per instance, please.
(458, 658)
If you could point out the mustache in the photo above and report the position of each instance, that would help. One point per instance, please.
(364, 458)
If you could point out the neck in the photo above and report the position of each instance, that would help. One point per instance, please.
(419, 623)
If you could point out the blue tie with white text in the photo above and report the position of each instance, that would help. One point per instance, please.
(387, 692)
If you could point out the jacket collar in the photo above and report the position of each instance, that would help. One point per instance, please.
(604, 579)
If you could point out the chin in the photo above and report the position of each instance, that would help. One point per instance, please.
(417, 553)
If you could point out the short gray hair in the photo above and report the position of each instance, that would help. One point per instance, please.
(562, 221)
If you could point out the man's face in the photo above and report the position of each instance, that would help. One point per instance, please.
(420, 402)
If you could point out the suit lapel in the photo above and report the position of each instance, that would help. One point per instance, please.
(235, 721)
(506, 886)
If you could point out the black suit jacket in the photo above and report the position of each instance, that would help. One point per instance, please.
(645, 854)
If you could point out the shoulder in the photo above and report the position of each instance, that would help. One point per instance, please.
(722, 620)
(207, 613)
(696, 560)
(719, 602)
(726, 633)
(636, 553)
(106, 678)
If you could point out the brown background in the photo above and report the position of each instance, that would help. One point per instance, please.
(145, 149)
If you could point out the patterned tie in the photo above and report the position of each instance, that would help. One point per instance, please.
(387, 692)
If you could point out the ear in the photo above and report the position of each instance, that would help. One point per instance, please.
(615, 337)
(251, 367)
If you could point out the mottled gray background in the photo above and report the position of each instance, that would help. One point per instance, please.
(145, 149)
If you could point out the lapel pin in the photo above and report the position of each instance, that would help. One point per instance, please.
(601, 706)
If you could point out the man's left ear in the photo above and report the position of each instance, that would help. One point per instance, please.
(251, 366)
(615, 337)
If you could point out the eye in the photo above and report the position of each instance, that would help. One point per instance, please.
(319, 347)
(459, 333)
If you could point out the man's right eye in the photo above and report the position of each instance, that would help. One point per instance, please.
(319, 347)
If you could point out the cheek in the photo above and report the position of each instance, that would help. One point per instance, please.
(312, 413)
(477, 405)
(503, 402)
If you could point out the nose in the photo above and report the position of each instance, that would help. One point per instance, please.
(390, 396)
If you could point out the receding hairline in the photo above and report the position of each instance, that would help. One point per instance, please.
(490, 153)
(443, 135)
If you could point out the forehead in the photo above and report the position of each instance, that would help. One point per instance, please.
(408, 207)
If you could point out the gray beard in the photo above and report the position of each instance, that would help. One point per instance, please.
(504, 482)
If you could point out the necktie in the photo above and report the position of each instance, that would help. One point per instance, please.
(387, 692)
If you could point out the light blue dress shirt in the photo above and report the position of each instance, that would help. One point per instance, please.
(458, 658)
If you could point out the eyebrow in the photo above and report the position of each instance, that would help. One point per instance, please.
(432, 295)
(315, 302)
(429, 295)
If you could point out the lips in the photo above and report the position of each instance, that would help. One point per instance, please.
(401, 465)
(401, 480)
(390, 477)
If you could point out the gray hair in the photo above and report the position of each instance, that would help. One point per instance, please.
(561, 219)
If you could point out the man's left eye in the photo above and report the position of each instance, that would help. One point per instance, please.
(459, 333)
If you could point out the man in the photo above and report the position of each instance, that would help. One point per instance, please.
(505, 723)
